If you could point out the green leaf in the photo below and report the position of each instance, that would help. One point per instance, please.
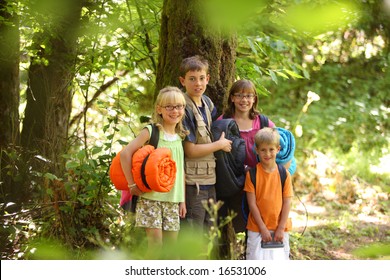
(72, 165)
(50, 176)
(273, 76)
(293, 74)
(81, 154)
(281, 74)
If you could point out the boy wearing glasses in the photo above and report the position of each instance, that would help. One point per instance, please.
(199, 147)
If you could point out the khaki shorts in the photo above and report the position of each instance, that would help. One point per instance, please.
(157, 214)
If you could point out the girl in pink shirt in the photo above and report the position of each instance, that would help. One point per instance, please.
(241, 106)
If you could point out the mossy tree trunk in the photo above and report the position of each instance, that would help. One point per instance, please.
(9, 96)
(49, 92)
(183, 34)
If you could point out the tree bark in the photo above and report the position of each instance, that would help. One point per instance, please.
(9, 76)
(49, 92)
(9, 101)
(182, 35)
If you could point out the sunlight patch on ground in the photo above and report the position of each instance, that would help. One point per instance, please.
(383, 166)
(301, 218)
(377, 219)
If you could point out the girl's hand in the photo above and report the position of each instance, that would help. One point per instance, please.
(134, 190)
(182, 210)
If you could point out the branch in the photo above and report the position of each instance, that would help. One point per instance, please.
(94, 97)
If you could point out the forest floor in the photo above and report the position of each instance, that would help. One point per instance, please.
(334, 231)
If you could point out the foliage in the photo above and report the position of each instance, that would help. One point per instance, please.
(75, 215)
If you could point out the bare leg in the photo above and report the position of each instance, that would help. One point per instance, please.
(169, 244)
(155, 242)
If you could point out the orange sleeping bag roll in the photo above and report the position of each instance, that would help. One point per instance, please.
(153, 170)
(116, 174)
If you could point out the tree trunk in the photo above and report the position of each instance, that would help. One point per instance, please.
(9, 76)
(9, 101)
(49, 92)
(182, 35)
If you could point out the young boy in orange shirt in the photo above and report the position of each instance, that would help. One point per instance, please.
(269, 203)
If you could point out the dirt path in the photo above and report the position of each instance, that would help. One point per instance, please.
(338, 232)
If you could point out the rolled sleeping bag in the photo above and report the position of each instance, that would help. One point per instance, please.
(152, 169)
(287, 149)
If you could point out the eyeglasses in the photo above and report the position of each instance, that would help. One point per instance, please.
(248, 96)
(171, 107)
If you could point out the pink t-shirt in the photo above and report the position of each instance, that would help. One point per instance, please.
(249, 137)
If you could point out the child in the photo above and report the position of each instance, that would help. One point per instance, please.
(199, 147)
(269, 206)
(160, 212)
(241, 106)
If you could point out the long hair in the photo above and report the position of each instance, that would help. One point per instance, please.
(172, 95)
(241, 86)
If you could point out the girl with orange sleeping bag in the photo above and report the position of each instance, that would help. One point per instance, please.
(160, 205)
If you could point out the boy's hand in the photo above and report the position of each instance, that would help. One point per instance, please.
(279, 234)
(226, 144)
(265, 235)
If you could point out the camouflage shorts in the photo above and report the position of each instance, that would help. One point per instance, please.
(157, 214)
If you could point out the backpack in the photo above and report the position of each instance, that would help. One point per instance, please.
(252, 175)
(263, 121)
(128, 202)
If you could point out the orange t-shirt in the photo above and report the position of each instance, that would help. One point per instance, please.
(268, 197)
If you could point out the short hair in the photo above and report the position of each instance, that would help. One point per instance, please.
(267, 135)
(193, 63)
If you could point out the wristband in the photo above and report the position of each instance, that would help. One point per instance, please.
(132, 185)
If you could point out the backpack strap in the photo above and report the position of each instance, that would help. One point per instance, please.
(208, 101)
(263, 121)
(252, 174)
(154, 136)
(283, 175)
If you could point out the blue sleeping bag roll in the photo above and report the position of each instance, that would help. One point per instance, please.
(287, 149)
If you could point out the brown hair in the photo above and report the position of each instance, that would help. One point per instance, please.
(241, 86)
(193, 63)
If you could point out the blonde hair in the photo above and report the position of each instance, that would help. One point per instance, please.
(172, 95)
(267, 135)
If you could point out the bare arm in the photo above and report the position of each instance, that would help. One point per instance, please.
(265, 234)
(283, 219)
(193, 150)
(127, 154)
